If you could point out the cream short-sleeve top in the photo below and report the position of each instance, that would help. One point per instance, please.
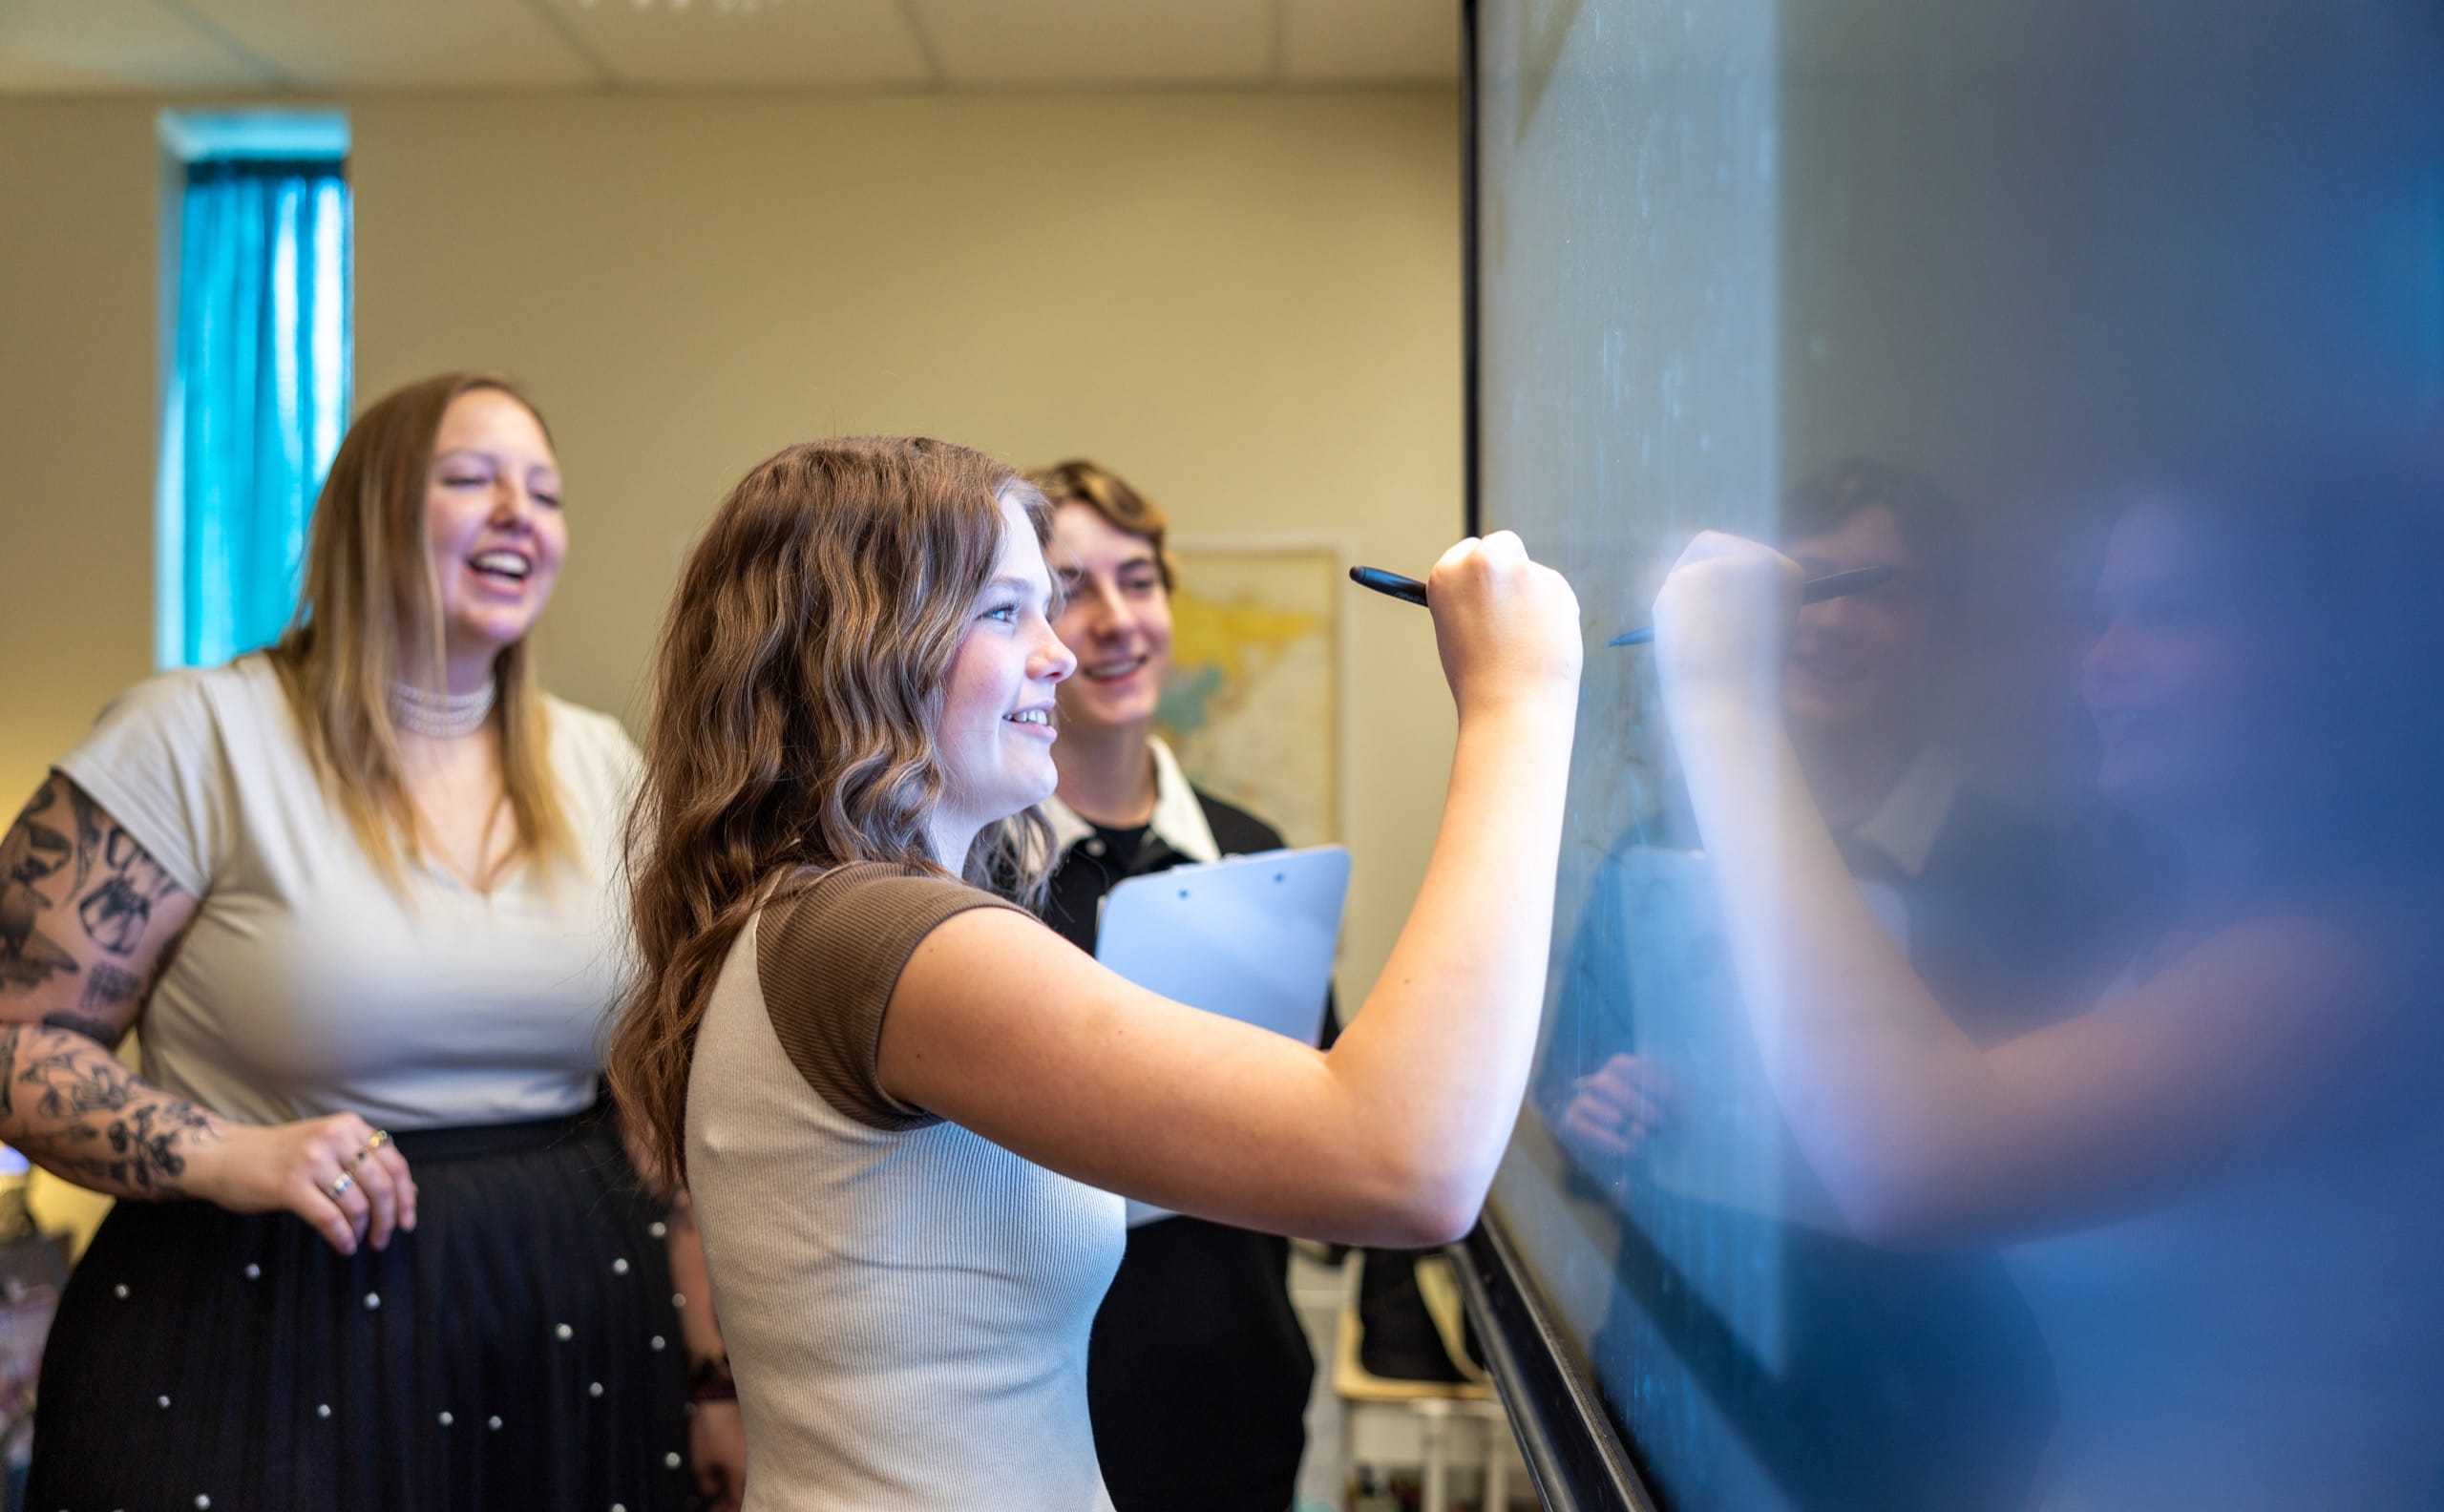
(308, 983)
(906, 1304)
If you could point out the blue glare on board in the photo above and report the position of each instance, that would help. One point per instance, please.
(2107, 1179)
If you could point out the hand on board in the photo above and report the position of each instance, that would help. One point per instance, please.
(1507, 628)
(1722, 628)
(1613, 1111)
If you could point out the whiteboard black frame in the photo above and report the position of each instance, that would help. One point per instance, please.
(1577, 1457)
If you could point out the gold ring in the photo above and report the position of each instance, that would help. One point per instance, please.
(372, 1142)
(340, 1188)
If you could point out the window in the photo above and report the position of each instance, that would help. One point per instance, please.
(256, 367)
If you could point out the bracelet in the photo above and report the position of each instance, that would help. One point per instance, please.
(710, 1380)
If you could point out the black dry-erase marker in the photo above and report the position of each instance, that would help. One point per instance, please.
(1832, 586)
(1389, 582)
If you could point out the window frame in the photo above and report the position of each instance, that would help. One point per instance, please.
(189, 141)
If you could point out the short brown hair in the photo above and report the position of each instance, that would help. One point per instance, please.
(1930, 524)
(1079, 481)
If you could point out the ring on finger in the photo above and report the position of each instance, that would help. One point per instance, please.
(373, 1141)
(339, 1188)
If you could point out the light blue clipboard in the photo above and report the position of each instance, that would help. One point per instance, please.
(1249, 937)
(1728, 1143)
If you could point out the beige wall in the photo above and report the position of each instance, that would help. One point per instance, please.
(1247, 304)
(78, 186)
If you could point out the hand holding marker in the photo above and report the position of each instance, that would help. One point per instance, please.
(1833, 585)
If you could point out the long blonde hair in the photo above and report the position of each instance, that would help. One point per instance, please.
(371, 616)
(800, 676)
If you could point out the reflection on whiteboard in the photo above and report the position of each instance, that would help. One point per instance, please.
(1726, 1144)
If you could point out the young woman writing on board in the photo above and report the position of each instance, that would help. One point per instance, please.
(896, 1096)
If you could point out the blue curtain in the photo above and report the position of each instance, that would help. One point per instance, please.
(256, 400)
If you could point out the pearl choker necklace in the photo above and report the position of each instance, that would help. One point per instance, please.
(440, 716)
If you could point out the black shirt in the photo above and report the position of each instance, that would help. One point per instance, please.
(1198, 1370)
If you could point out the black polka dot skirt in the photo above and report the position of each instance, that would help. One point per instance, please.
(519, 1349)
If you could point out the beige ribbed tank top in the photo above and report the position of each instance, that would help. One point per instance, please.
(906, 1303)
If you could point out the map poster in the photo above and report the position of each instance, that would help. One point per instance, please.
(1254, 703)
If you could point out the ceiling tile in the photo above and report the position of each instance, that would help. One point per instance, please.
(101, 46)
(1091, 42)
(1328, 41)
(406, 43)
(821, 43)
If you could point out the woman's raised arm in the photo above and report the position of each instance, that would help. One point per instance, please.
(1919, 1135)
(1392, 1137)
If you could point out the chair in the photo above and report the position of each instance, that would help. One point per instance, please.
(1393, 1423)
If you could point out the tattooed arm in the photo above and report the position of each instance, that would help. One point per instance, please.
(74, 1110)
(86, 919)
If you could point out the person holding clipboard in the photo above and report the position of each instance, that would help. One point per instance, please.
(1197, 1371)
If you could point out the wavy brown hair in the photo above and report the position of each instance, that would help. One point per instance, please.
(369, 616)
(800, 676)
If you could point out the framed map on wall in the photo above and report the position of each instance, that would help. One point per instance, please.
(1253, 702)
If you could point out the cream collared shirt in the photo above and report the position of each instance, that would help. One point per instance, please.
(1905, 825)
(1178, 821)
